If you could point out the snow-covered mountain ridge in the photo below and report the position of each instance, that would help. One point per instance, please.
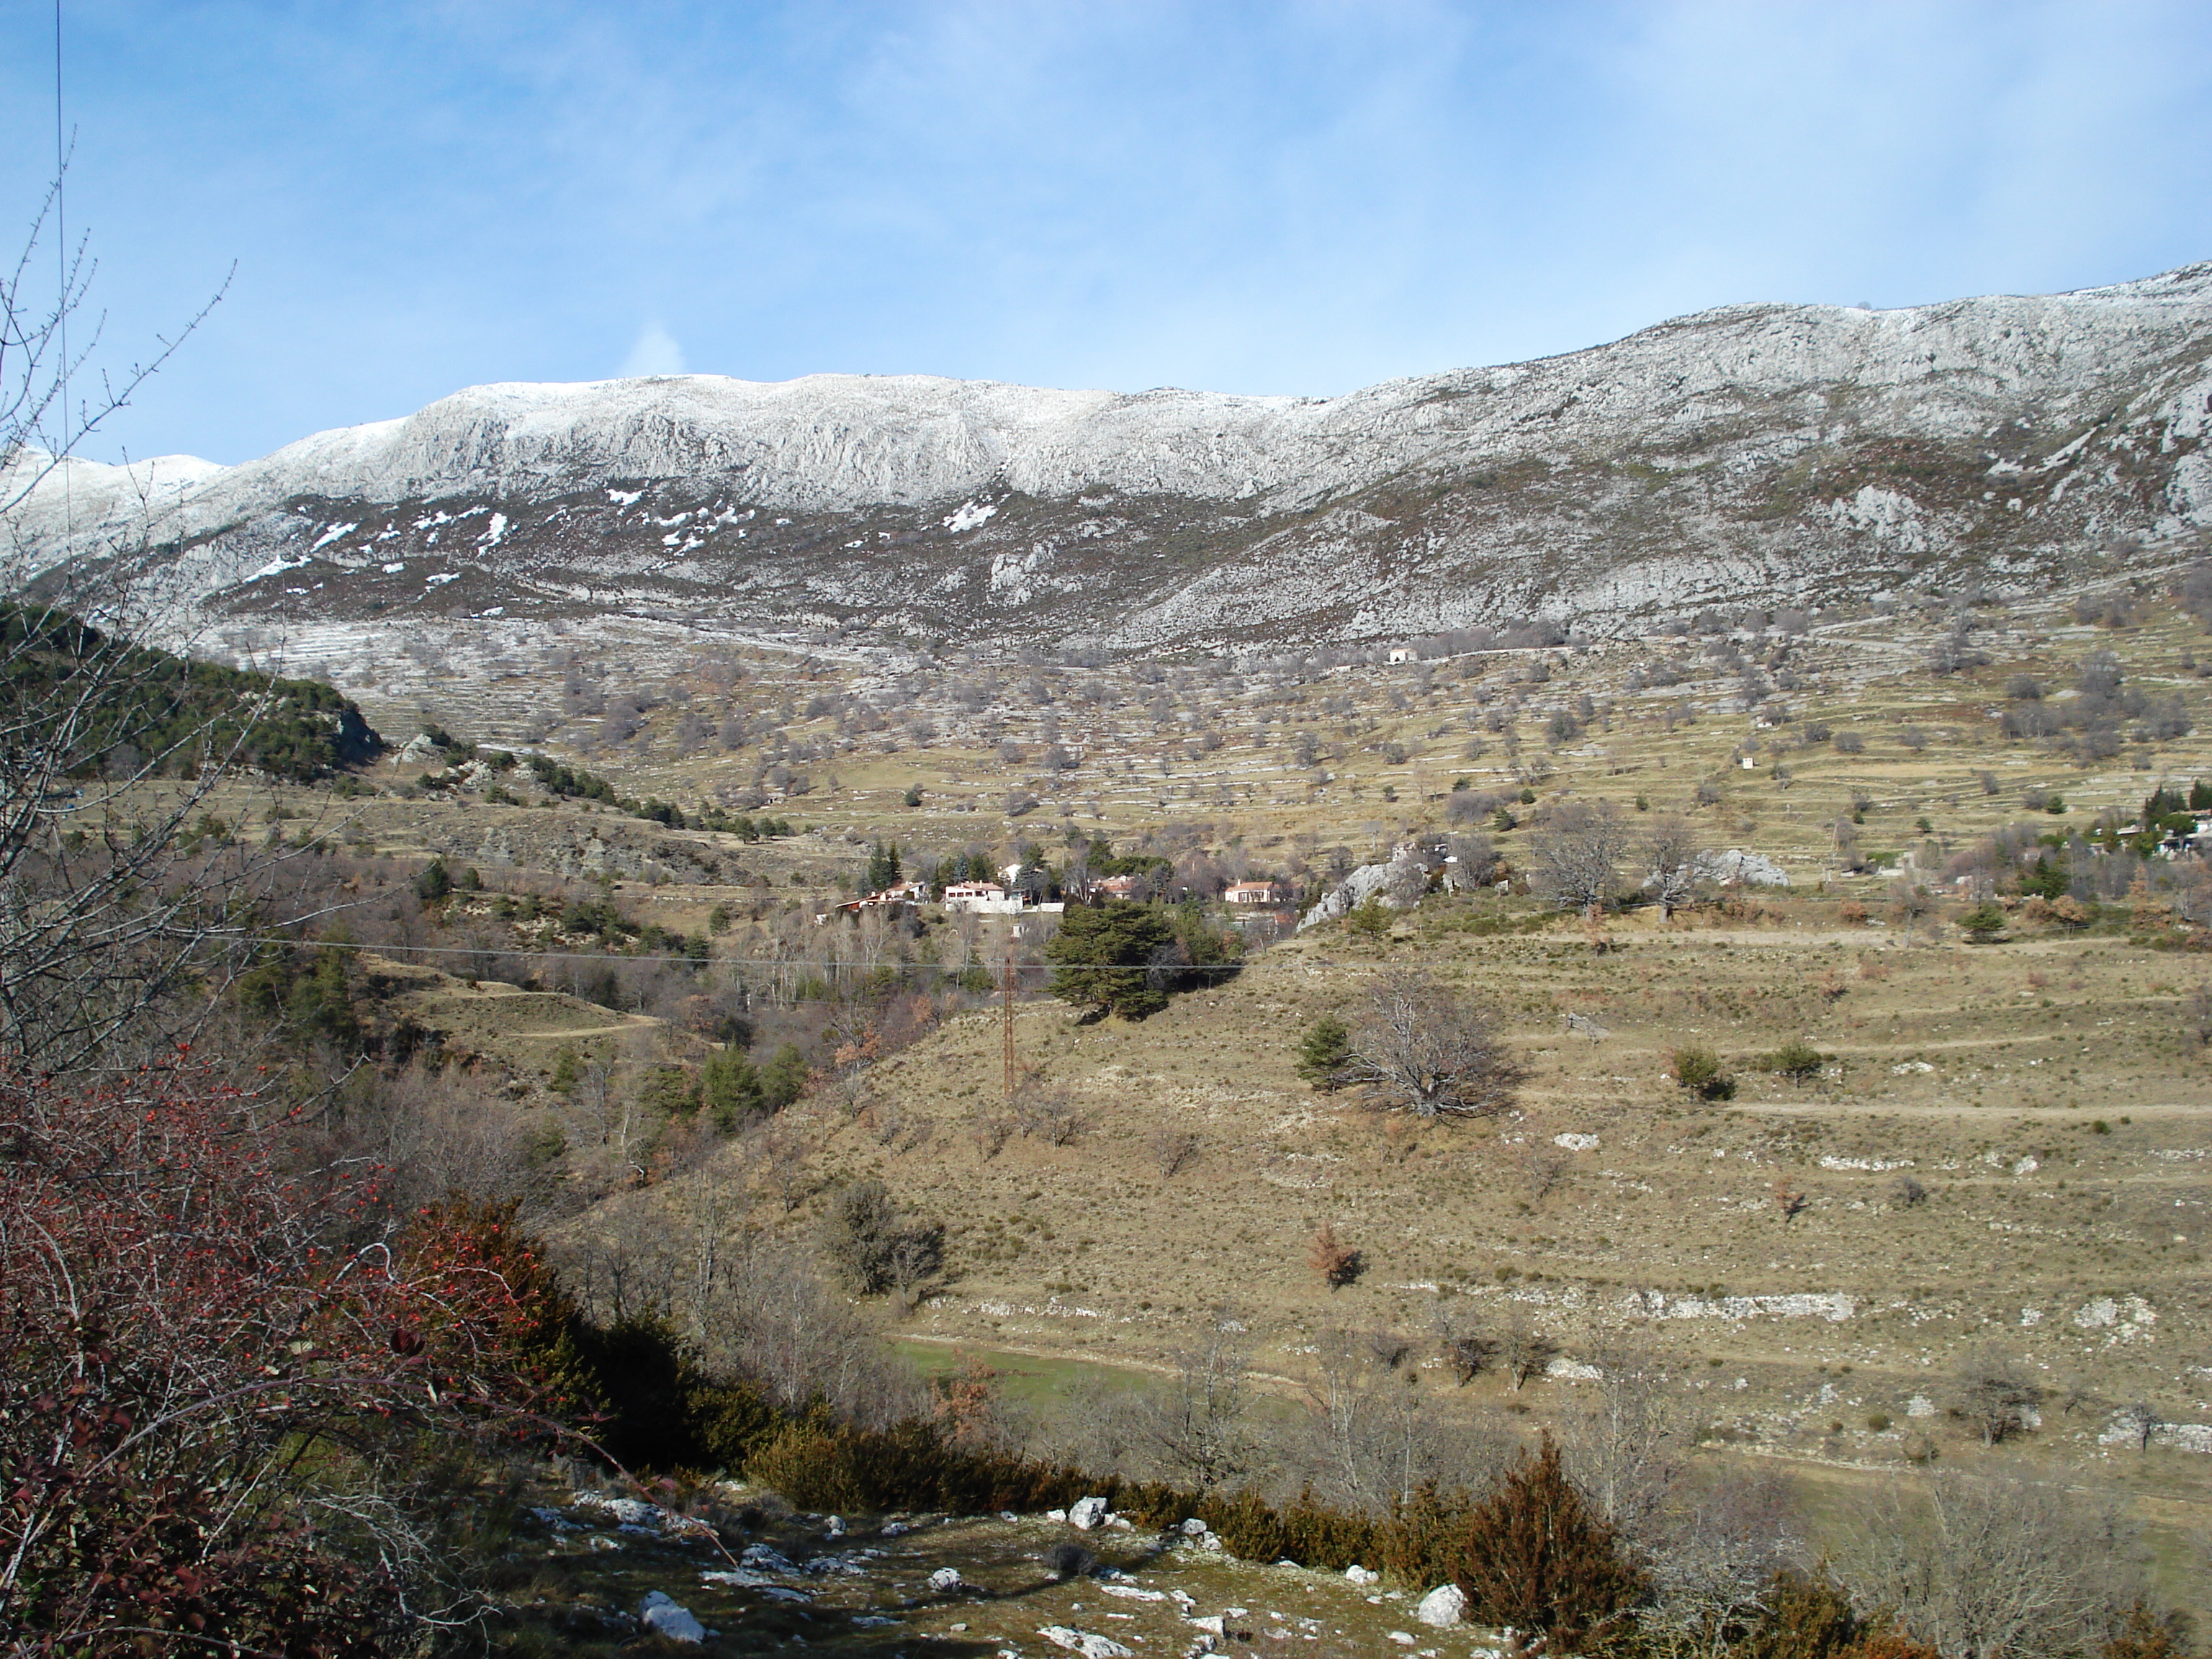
(1756, 450)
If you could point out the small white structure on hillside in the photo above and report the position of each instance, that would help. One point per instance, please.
(981, 898)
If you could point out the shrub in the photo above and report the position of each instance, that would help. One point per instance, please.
(873, 1246)
(1539, 1559)
(1985, 921)
(1368, 919)
(1796, 1060)
(1699, 1070)
(1335, 1263)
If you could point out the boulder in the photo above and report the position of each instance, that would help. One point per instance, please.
(1444, 1605)
(1747, 869)
(1089, 1643)
(1194, 1527)
(669, 1619)
(1406, 872)
(1086, 1513)
(1357, 1574)
(944, 1578)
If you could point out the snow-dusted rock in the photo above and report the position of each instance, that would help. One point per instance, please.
(669, 1619)
(1086, 1513)
(1007, 502)
(1444, 1605)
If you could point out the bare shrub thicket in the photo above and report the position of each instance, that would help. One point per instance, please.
(1624, 1439)
(1197, 1426)
(1369, 1437)
(1992, 1568)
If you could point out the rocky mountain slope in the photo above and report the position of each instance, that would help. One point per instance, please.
(1762, 452)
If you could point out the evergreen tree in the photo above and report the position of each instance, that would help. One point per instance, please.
(1116, 960)
(783, 1079)
(1325, 1052)
(1539, 1559)
(730, 1088)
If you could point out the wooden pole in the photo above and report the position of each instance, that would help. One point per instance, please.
(1009, 1020)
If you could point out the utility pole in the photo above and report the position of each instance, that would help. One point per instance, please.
(1009, 1020)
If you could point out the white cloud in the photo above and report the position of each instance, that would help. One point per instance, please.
(655, 353)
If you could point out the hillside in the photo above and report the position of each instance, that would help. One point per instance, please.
(1782, 453)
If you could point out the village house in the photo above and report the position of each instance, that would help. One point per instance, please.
(1248, 892)
(981, 898)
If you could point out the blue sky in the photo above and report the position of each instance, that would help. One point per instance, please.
(1290, 197)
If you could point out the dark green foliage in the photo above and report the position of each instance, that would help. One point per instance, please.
(433, 883)
(670, 1090)
(1983, 920)
(144, 706)
(306, 989)
(1368, 919)
(1426, 1536)
(2048, 879)
(884, 868)
(656, 1409)
(565, 1070)
(1802, 1617)
(1698, 1069)
(729, 1089)
(1539, 1559)
(783, 1079)
(1109, 959)
(1324, 1053)
(1126, 959)
(1304, 1530)
(1795, 1060)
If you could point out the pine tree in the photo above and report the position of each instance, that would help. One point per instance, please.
(783, 1079)
(1325, 1052)
(729, 1089)
(1105, 959)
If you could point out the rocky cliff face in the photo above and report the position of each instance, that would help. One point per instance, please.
(1756, 452)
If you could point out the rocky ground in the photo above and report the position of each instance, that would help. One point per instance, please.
(733, 1570)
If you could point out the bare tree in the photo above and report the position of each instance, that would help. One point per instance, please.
(1577, 856)
(1465, 1346)
(1991, 1569)
(1369, 1429)
(1422, 1050)
(1623, 1439)
(1172, 1149)
(1197, 1426)
(1714, 1556)
(1996, 1392)
(1524, 1349)
(1669, 857)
